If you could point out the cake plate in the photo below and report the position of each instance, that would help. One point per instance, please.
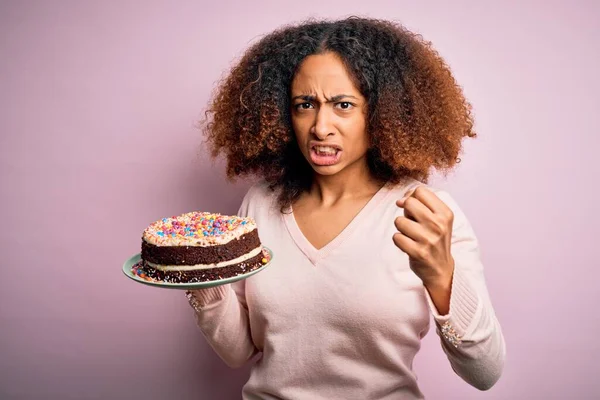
(128, 265)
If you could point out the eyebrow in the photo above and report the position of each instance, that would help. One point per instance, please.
(334, 99)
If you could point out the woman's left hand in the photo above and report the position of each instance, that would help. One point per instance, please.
(424, 234)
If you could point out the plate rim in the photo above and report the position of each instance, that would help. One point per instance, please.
(126, 269)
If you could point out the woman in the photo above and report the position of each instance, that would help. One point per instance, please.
(343, 122)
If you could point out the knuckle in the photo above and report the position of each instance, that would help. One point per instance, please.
(432, 240)
(437, 227)
(421, 253)
(431, 246)
(419, 190)
(442, 220)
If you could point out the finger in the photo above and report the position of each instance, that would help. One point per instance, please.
(429, 199)
(400, 203)
(405, 244)
(414, 209)
(410, 228)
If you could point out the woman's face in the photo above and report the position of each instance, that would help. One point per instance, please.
(329, 115)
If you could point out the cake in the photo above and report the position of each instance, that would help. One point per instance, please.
(199, 247)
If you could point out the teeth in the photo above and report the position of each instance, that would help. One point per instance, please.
(326, 150)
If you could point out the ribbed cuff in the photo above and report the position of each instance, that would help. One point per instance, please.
(202, 298)
(464, 303)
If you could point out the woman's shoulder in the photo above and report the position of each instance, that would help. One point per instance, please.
(259, 196)
(260, 191)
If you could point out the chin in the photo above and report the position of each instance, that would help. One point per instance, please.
(327, 170)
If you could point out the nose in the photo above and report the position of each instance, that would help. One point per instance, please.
(323, 125)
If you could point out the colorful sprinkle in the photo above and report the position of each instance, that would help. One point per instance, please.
(201, 227)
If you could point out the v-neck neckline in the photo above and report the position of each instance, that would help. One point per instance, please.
(309, 250)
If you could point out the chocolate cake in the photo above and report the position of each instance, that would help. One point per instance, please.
(199, 247)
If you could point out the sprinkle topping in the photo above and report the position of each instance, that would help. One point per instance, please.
(197, 229)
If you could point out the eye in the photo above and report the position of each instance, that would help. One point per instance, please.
(303, 106)
(344, 105)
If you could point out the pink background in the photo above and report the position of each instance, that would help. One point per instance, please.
(98, 102)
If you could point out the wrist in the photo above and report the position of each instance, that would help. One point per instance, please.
(440, 290)
(442, 281)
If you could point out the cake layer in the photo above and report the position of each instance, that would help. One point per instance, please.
(221, 264)
(203, 275)
(193, 255)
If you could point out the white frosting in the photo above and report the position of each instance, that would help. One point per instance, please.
(196, 267)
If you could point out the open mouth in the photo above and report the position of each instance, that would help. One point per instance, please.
(325, 154)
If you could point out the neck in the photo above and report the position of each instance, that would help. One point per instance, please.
(354, 181)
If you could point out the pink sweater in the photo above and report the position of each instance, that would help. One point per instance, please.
(346, 321)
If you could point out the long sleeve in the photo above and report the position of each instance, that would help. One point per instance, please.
(221, 313)
(470, 334)
(222, 316)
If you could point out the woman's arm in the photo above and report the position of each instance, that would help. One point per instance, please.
(470, 333)
(222, 315)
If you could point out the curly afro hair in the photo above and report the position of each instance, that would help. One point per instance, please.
(417, 114)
